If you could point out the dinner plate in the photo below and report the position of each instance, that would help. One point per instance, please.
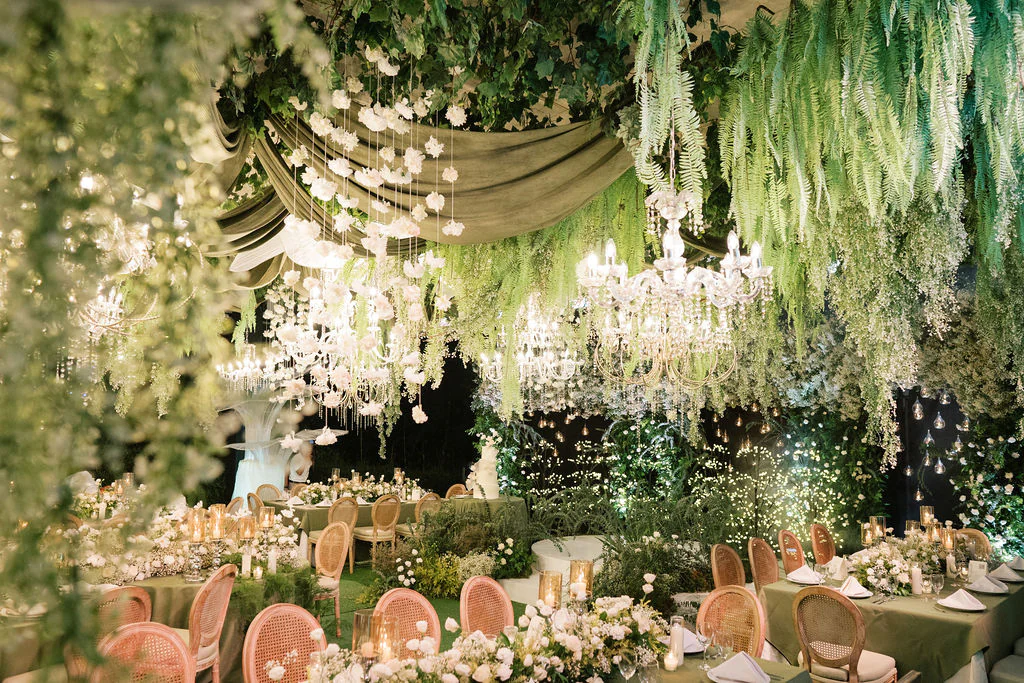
(859, 597)
(995, 592)
(1019, 579)
(804, 583)
(961, 609)
(694, 650)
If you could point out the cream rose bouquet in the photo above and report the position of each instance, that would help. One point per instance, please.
(883, 568)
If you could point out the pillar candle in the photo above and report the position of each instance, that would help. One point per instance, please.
(675, 640)
(246, 563)
(272, 561)
(950, 566)
(915, 580)
(102, 514)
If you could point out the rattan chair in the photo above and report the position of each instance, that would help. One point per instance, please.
(455, 490)
(430, 503)
(792, 551)
(346, 511)
(831, 632)
(408, 607)
(144, 652)
(822, 544)
(764, 565)
(254, 502)
(206, 620)
(275, 632)
(268, 492)
(331, 550)
(733, 611)
(114, 608)
(982, 547)
(296, 489)
(236, 505)
(485, 606)
(384, 513)
(726, 566)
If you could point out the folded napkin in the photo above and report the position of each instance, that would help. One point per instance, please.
(851, 588)
(1004, 573)
(804, 574)
(962, 600)
(987, 584)
(324, 503)
(740, 668)
(838, 567)
(1017, 563)
(860, 553)
(362, 501)
(691, 644)
(295, 500)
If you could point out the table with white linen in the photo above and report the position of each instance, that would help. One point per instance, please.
(942, 644)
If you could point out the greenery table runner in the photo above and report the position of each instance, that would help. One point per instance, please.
(690, 672)
(920, 635)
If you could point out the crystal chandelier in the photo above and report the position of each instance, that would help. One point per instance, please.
(543, 356)
(673, 320)
(252, 373)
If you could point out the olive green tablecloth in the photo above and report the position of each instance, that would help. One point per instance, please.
(920, 635)
(690, 672)
(313, 518)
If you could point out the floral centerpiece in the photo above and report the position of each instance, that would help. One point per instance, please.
(318, 493)
(283, 537)
(882, 568)
(562, 644)
(369, 488)
(105, 499)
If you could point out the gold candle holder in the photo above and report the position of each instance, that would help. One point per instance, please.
(129, 480)
(912, 527)
(581, 578)
(246, 528)
(948, 537)
(266, 517)
(549, 591)
(931, 531)
(866, 535)
(877, 527)
(927, 515)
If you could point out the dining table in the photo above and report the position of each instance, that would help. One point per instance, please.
(921, 635)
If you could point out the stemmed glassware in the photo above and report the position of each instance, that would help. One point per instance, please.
(706, 637)
(627, 666)
(938, 581)
(926, 585)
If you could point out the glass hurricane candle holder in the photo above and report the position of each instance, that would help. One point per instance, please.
(948, 537)
(549, 591)
(581, 579)
(866, 535)
(129, 480)
(336, 473)
(246, 528)
(386, 642)
(362, 633)
(877, 527)
(912, 527)
(927, 515)
(266, 517)
(931, 531)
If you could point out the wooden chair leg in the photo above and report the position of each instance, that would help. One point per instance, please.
(352, 556)
(216, 670)
(337, 614)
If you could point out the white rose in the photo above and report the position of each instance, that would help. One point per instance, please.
(276, 673)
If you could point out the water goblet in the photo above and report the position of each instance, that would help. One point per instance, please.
(926, 585)
(627, 666)
(938, 581)
(822, 571)
(705, 634)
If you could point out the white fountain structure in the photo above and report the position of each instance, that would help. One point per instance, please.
(265, 462)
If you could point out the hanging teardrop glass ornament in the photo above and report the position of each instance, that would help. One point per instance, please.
(714, 418)
(918, 410)
(965, 425)
(918, 496)
(739, 420)
(944, 398)
(718, 432)
(929, 440)
(585, 431)
(940, 467)
(925, 392)
(725, 437)
(927, 462)
(746, 444)
(765, 428)
(780, 443)
(755, 407)
(908, 470)
(958, 445)
(939, 423)
(775, 411)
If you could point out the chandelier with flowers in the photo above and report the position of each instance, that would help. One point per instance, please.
(672, 321)
(253, 371)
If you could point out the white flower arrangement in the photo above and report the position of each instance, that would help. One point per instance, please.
(883, 568)
(317, 493)
(369, 488)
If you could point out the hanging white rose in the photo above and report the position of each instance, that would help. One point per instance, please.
(413, 160)
(345, 139)
(435, 201)
(340, 166)
(291, 442)
(413, 377)
(326, 437)
(387, 154)
(413, 270)
(371, 409)
(291, 277)
(343, 222)
(353, 84)
(434, 147)
(296, 104)
(323, 189)
(453, 228)
(418, 213)
(456, 115)
(418, 415)
(449, 174)
(340, 99)
(320, 124)
(404, 110)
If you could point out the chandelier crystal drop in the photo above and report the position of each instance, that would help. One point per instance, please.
(939, 423)
(918, 410)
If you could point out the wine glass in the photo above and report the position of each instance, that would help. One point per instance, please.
(705, 634)
(821, 571)
(963, 572)
(926, 585)
(627, 666)
(938, 581)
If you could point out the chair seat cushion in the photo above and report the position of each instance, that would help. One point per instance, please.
(873, 667)
(327, 582)
(1008, 670)
(405, 529)
(1018, 649)
(50, 674)
(206, 655)
(313, 535)
(366, 533)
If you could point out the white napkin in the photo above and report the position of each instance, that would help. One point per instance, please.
(324, 504)
(852, 588)
(362, 501)
(987, 584)
(1017, 563)
(691, 644)
(804, 574)
(295, 500)
(740, 668)
(838, 567)
(1004, 573)
(962, 600)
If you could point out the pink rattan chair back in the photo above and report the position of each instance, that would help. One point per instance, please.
(735, 612)
(268, 492)
(114, 608)
(792, 551)
(206, 618)
(764, 565)
(726, 566)
(332, 549)
(344, 510)
(253, 502)
(273, 634)
(485, 606)
(408, 607)
(429, 503)
(236, 505)
(455, 490)
(830, 629)
(144, 652)
(385, 513)
(822, 544)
